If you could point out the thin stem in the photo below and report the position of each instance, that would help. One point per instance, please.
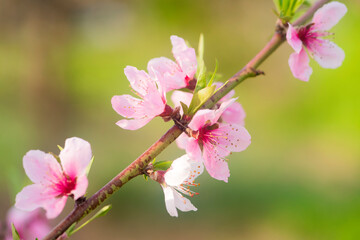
(136, 167)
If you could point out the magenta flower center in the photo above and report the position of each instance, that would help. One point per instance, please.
(306, 34)
(65, 185)
(207, 134)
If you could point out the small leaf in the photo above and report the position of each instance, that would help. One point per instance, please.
(15, 234)
(201, 69)
(185, 108)
(89, 166)
(200, 97)
(214, 73)
(163, 165)
(70, 230)
(145, 177)
(100, 213)
(60, 147)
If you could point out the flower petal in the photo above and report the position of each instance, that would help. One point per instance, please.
(180, 96)
(182, 203)
(185, 56)
(41, 167)
(299, 65)
(193, 150)
(293, 38)
(222, 108)
(234, 114)
(197, 168)
(133, 124)
(170, 201)
(201, 117)
(236, 138)
(328, 16)
(182, 141)
(327, 54)
(140, 81)
(54, 206)
(178, 172)
(217, 167)
(32, 197)
(75, 156)
(167, 73)
(128, 106)
(81, 186)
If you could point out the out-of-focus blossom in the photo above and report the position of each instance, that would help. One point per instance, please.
(178, 179)
(234, 113)
(54, 183)
(175, 75)
(210, 141)
(325, 52)
(142, 111)
(29, 225)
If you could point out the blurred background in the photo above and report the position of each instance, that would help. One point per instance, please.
(61, 62)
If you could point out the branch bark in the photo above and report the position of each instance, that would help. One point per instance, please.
(137, 166)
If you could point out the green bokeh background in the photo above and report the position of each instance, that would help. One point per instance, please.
(62, 61)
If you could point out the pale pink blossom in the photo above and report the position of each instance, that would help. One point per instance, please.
(326, 53)
(178, 179)
(233, 114)
(29, 225)
(152, 100)
(210, 141)
(54, 183)
(175, 75)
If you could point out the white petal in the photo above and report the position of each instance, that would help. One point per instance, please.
(170, 201)
(182, 203)
(179, 171)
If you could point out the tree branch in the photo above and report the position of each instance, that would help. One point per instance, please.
(136, 167)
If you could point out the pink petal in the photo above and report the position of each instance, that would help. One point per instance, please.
(182, 141)
(182, 203)
(216, 166)
(236, 139)
(140, 81)
(54, 206)
(32, 197)
(41, 167)
(193, 150)
(170, 201)
(299, 65)
(81, 186)
(328, 16)
(180, 96)
(128, 106)
(154, 104)
(234, 114)
(184, 56)
(133, 124)
(75, 157)
(222, 108)
(201, 117)
(293, 39)
(178, 172)
(327, 53)
(167, 73)
(227, 96)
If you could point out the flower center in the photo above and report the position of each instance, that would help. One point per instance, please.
(306, 34)
(65, 185)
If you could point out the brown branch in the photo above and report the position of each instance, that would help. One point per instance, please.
(136, 168)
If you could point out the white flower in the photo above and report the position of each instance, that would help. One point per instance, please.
(178, 179)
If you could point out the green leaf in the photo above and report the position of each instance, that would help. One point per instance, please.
(185, 108)
(214, 73)
(70, 230)
(145, 177)
(163, 165)
(201, 69)
(200, 97)
(15, 234)
(60, 147)
(89, 166)
(287, 8)
(100, 213)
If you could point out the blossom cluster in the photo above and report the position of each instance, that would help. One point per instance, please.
(209, 135)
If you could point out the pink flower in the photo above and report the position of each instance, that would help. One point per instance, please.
(325, 52)
(212, 141)
(54, 183)
(178, 179)
(151, 104)
(233, 114)
(175, 75)
(29, 225)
